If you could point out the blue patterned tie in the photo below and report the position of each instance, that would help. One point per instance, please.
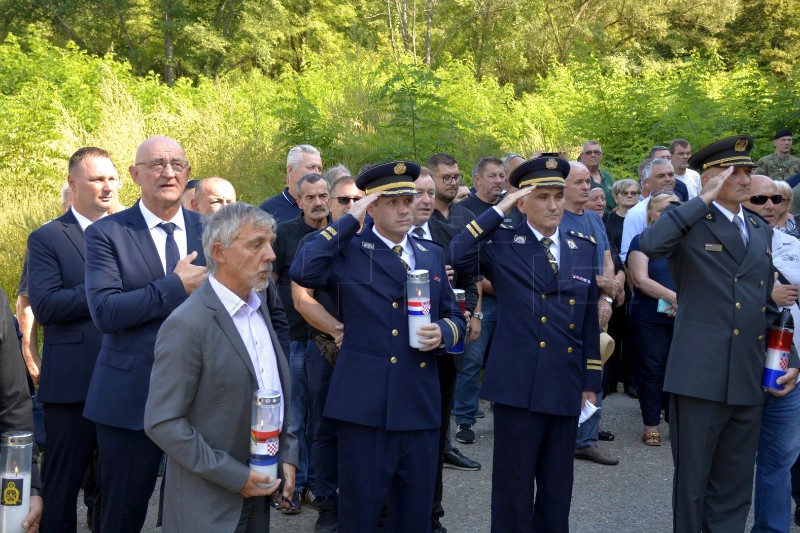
(171, 249)
(740, 226)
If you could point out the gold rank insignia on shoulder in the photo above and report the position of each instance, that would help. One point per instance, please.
(400, 168)
(710, 216)
(741, 145)
(582, 236)
(571, 244)
(551, 164)
(421, 247)
(519, 239)
(368, 245)
(753, 221)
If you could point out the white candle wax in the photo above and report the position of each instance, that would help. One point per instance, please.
(419, 315)
(11, 516)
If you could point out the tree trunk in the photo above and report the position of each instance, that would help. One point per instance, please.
(428, 27)
(123, 26)
(169, 51)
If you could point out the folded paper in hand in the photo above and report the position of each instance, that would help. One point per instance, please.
(588, 410)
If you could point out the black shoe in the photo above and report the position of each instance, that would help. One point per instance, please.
(605, 435)
(438, 527)
(631, 391)
(295, 504)
(596, 455)
(456, 459)
(465, 434)
(328, 520)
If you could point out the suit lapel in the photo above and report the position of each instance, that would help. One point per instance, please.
(227, 326)
(727, 233)
(530, 250)
(141, 237)
(757, 245)
(73, 231)
(194, 234)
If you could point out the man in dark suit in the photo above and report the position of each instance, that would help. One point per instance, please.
(426, 227)
(720, 257)
(56, 277)
(544, 363)
(384, 394)
(212, 353)
(141, 264)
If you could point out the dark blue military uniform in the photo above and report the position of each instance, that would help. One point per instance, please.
(384, 393)
(545, 353)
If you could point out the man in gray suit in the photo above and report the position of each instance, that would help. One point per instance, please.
(211, 354)
(720, 257)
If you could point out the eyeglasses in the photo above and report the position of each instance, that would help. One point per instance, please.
(593, 152)
(157, 166)
(456, 178)
(761, 199)
(628, 193)
(345, 200)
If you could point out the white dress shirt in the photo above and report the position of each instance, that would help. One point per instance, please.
(407, 254)
(160, 236)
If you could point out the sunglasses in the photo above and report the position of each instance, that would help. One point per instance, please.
(761, 199)
(344, 200)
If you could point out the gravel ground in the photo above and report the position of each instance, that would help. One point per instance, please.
(633, 496)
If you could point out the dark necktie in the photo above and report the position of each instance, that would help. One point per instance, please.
(740, 226)
(399, 251)
(545, 242)
(171, 249)
(419, 232)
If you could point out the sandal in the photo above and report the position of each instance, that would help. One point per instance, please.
(652, 438)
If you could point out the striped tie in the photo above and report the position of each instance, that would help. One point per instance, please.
(545, 242)
(740, 226)
(399, 251)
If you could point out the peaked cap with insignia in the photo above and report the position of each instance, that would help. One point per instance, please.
(727, 152)
(542, 172)
(390, 179)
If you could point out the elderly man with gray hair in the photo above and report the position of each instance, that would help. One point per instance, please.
(211, 354)
(301, 160)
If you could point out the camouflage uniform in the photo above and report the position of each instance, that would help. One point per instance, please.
(777, 168)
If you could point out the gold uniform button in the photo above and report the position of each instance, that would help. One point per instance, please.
(544, 297)
(423, 364)
(761, 337)
(572, 301)
(393, 360)
(736, 332)
(544, 320)
(394, 332)
(394, 305)
(738, 305)
(763, 309)
(542, 344)
(572, 326)
(569, 350)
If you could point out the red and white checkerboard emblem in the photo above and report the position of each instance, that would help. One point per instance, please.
(272, 446)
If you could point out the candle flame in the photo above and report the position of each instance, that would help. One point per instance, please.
(16, 470)
(419, 291)
(262, 425)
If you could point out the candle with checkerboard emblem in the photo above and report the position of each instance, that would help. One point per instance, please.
(265, 433)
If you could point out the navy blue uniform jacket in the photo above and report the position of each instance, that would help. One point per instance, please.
(545, 351)
(56, 276)
(129, 297)
(379, 381)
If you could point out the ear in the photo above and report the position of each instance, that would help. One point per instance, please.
(217, 253)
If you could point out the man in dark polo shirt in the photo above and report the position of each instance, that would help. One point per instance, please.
(313, 195)
(302, 159)
(447, 178)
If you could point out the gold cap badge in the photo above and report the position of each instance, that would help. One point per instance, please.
(741, 145)
(400, 168)
(551, 164)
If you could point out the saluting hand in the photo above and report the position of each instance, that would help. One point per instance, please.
(511, 198)
(712, 187)
(359, 208)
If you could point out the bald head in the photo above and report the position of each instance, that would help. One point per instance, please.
(161, 171)
(212, 194)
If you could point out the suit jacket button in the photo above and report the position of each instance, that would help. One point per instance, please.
(393, 360)
(394, 333)
(760, 283)
(542, 344)
(572, 326)
(761, 337)
(736, 332)
(736, 280)
(738, 305)
(423, 364)
(544, 320)
(569, 350)
(394, 305)
(544, 297)
(572, 301)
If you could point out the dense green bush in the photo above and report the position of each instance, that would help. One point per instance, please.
(360, 108)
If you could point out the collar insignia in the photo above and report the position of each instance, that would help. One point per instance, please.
(421, 247)
(368, 245)
(519, 239)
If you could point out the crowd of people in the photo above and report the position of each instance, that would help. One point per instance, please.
(162, 319)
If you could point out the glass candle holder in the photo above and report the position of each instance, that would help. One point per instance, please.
(418, 294)
(15, 480)
(265, 433)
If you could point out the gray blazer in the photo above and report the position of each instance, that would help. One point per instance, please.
(199, 410)
(724, 301)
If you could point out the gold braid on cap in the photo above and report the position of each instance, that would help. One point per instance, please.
(550, 180)
(741, 159)
(391, 186)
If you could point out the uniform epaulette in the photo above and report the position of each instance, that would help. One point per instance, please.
(755, 218)
(507, 226)
(580, 235)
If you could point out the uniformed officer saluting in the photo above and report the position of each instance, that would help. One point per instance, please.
(720, 257)
(384, 394)
(545, 359)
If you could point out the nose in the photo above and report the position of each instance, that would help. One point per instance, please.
(269, 254)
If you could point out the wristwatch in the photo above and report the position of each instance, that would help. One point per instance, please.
(478, 315)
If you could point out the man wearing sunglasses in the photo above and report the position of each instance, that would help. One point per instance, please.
(779, 440)
(720, 257)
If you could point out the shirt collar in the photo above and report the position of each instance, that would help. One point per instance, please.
(404, 244)
(539, 236)
(729, 215)
(288, 197)
(152, 220)
(424, 227)
(82, 220)
(231, 301)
